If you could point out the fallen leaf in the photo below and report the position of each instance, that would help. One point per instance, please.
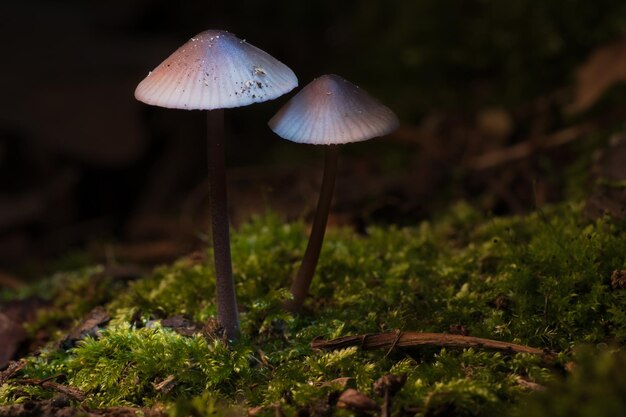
(618, 279)
(88, 327)
(13, 315)
(12, 335)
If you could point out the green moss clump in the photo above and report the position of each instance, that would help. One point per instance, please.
(541, 280)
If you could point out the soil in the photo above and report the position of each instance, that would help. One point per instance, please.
(60, 407)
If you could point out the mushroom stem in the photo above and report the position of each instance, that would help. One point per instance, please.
(300, 286)
(227, 313)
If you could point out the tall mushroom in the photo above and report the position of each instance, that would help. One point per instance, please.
(215, 70)
(328, 111)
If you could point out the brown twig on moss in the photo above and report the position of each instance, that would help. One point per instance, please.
(413, 339)
(73, 393)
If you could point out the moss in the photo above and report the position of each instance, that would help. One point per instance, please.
(542, 280)
(70, 295)
(596, 387)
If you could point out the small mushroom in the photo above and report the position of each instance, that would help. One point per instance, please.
(328, 111)
(215, 70)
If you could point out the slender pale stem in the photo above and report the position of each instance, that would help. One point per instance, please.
(227, 313)
(301, 284)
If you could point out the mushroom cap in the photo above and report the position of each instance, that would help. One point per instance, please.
(215, 70)
(331, 110)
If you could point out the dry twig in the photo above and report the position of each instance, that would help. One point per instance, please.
(73, 393)
(413, 339)
(525, 149)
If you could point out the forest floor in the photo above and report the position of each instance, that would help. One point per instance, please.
(118, 340)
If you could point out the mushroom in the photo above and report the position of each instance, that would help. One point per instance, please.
(215, 70)
(328, 111)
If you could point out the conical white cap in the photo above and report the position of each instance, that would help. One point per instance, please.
(215, 70)
(332, 110)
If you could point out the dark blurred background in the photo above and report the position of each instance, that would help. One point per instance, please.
(507, 104)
